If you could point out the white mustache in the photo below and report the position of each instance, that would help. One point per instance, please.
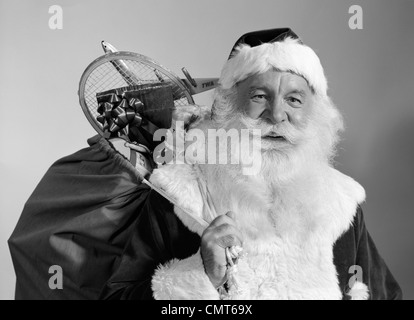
(284, 129)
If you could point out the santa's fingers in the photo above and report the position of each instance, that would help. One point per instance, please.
(221, 234)
(229, 257)
(228, 218)
(224, 226)
(235, 251)
(233, 254)
(224, 235)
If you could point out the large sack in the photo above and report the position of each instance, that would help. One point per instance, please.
(78, 218)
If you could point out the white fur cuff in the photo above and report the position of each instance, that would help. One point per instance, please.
(359, 291)
(183, 280)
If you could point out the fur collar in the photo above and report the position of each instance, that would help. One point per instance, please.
(334, 193)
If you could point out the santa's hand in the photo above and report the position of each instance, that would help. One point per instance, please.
(220, 234)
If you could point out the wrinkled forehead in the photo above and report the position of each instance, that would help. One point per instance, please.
(276, 79)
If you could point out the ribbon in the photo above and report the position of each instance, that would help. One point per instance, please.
(117, 113)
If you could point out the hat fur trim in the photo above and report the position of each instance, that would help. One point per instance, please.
(287, 55)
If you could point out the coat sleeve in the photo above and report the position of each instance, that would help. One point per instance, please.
(358, 260)
(158, 237)
(381, 283)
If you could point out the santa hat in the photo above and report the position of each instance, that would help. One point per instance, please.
(258, 51)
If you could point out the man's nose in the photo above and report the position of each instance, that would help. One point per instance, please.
(276, 113)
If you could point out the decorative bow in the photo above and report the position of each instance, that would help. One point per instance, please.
(117, 113)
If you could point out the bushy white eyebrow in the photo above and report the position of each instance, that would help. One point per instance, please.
(252, 89)
(302, 93)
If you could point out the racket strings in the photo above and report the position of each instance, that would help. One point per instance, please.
(106, 77)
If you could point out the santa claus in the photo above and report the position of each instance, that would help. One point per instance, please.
(294, 229)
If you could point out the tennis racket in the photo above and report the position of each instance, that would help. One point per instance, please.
(122, 69)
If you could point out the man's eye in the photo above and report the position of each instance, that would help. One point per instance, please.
(259, 97)
(294, 100)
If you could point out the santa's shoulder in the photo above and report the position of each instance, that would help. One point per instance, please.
(342, 197)
(349, 188)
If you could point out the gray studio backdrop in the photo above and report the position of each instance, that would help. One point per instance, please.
(370, 72)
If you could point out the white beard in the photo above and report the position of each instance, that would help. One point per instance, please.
(287, 179)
